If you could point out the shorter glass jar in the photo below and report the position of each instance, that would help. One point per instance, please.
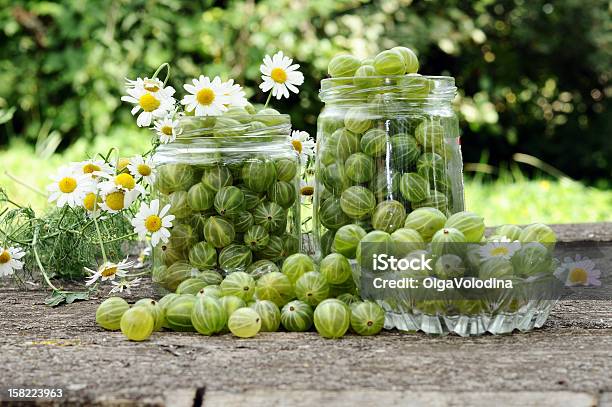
(232, 183)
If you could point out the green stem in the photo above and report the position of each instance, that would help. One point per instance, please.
(40, 266)
(268, 100)
(15, 179)
(120, 238)
(162, 66)
(95, 220)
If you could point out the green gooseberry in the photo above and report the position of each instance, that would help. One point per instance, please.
(365, 77)
(332, 318)
(229, 201)
(286, 169)
(283, 193)
(386, 185)
(469, 223)
(360, 167)
(110, 311)
(269, 313)
(178, 313)
(347, 239)
(297, 265)
(200, 198)
(431, 166)
(243, 221)
(426, 221)
(274, 250)
(389, 216)
(404, 151)
(430, 135)
(415, 86)
(357, 202)
(343, 66)
(512, 232)
(367, 318)
(347, 143)
(331, 214)
(449, 266)
(374, 142)
(312, 288)
(259, 174)
(411, 62)
(240, 284)
(208, 315)
(217, 177)
(174, 177)
(335, 268)
(179, 204)
(390, 62)
(448, 241)
(256, 237)
(235, 257)
(414, 187)
(334, 178)
(218, 231)
(357, 119)
(276, 287)
(271, 216)
(435, 199)
(137, 324)
(231, 303)
(297, 316)
(244, 323)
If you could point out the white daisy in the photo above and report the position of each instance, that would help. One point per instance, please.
(142, 257)
(279, 75)
(503, 247)
(124, 181)
(10, 260)
(150, 220)
(117, 199)
(69, 187)
(306, 191)
(150, 96)
(578, 271)
(92, 167)
(142, 169)
(167, 129)
(108, 271)
(235, 94)
(207, 97)
(302, 143)
(124, 285)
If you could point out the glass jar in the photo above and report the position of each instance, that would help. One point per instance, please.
(232, 183)
(385, 146)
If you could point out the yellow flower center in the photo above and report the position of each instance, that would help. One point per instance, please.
(90, 200)
(578, 275)
(144, 170)
(205, 96)
(307, 190)
(67, 185)
(90, 168)
(122, 164)
(109, 271)
(278, 75)
(125, 180)
(297, 146)
(167, 130)
(148, 102)
(499, 251)
(153, 223)
(115, 200)
(5, 257)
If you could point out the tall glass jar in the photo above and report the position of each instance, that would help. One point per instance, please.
(232, 183)
(385, 146)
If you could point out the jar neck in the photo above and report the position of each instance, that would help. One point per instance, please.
(206, 139)
(405, 91)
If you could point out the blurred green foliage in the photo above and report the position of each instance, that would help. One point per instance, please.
(533, 74)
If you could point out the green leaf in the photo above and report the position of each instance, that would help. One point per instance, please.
(68, 297)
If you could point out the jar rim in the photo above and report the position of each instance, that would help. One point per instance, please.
(435, 88)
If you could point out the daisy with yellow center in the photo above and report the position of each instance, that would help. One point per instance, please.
(502, 247)
(69, 187)
(91, 206)
(142, 169)
(92, 168)
(108, 271)
(167, 129)
(124, 285)
(303, 144)
(206, 98)
(150, 98)
(116, 199)
(10, 260)
(124, 181)
(150, 220)
(579, 271)
(280, 76)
